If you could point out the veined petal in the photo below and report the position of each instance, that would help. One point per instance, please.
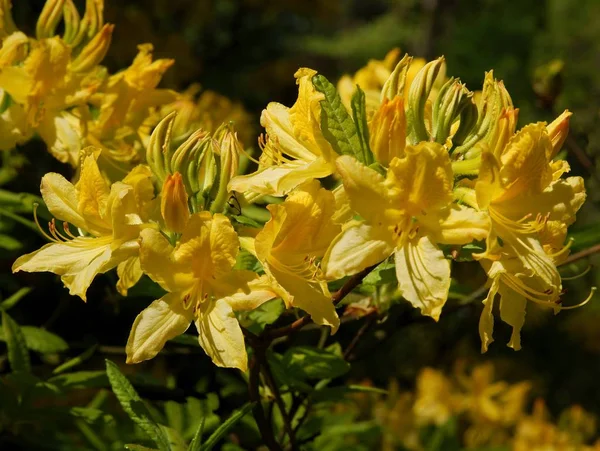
(63, 133)
(488, 186)
(512, 312)
(458, 224)
(423, 275)
(486, 321)
(156, 257)
(307, 296)
(367, 190)
(161, 321)
(93, 194)
(422, 179)
(277, 121)
(259, 290)
(220, 335)
(129, 272)
(357, 247)
(281, 179)
(77, 261)
(61, 198)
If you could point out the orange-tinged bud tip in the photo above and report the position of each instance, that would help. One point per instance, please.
(174, 203)
(558, 131)
(388, 130)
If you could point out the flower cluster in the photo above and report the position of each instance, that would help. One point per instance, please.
(54, 86)
(409, 173)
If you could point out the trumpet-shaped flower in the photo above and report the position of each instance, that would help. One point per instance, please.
(107, 217)
(295, 149)
(530, 207)
(298, 233)
(202, 287)
(407, 213)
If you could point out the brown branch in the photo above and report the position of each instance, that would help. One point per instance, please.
(371, 319)
(581, 254)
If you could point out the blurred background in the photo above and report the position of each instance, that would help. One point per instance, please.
(546, 51)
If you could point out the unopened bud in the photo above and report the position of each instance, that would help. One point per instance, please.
(158, 146)
(394, 85)
(558, 130)
(81, 31)
(229, 150)
(388, 130)
(7, 24)
(14, 49)
(49, 18)
(452, 99)
(174, 203)
(95, 50)
(417, 98)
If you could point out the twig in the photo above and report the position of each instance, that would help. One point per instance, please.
(582, 156)
(581, 254)
(371, 319)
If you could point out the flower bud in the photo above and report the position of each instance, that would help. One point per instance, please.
(95, 50)
(452, 99)
(419, 91)
(81, 31)
(7, 24)
(158, 146)
(228, 149)
(388, 130)
(14, 49)
(174, 203)
(394, 85)
(558, 131)
(49, 18)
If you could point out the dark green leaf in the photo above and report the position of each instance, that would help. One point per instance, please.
(13, 299)
(336, 124)
(225, 427)
(267, 313)
(134, 406)
(9, 243)
(90, 415)
(314, 363)
(196, 443)
(18, 355)
(80, 379)
(75, 361)
(359, 114)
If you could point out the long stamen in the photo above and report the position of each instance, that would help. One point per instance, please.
(582, 303)
(37, 222)
(578, 276)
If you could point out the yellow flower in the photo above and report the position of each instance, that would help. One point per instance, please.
(295, 150)
(298, 233)
(108, 219)
(202, 287)
(408, 213)
(530, 207)
(435, 401)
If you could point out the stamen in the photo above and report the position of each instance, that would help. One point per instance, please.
(578, 276)
(582, 303)
(37, 222)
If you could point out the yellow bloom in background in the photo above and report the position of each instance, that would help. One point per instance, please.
(407, 213)
(435, 401)
(295, 149)
(52, 77)
(298, 233)
(530, 206)
(202, 287)
(108, 221)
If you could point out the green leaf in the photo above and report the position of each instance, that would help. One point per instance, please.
(187, 340)
(246, 221)
(40, 340)
(80, 379)
(359, 114)
(9, 243)
(196, 443)
(13, 299)
(336, 124)
(134, 447)
(76, 360)
(90, 415)
(225, 427)
(382, 275)
(266, 313)
(314, 363)
(134, 406)
(18, 356)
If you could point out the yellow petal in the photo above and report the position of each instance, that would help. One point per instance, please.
(63, 133)
(422, 179)
(156, 256)
(357, 247)
(129, 272)
(423, 275)
(307, 296)
(306, 228)
(488, 186)
(174, 203)
(558, 130)
(161, 321)
(486, 321)
(77, 261)
(260, 290)
(93, 194)
(388, 131)
(220, 335)
(61, 198)
(140, 178)
(512, 312)
(367, 190)
(458, 224)
(280, 180)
